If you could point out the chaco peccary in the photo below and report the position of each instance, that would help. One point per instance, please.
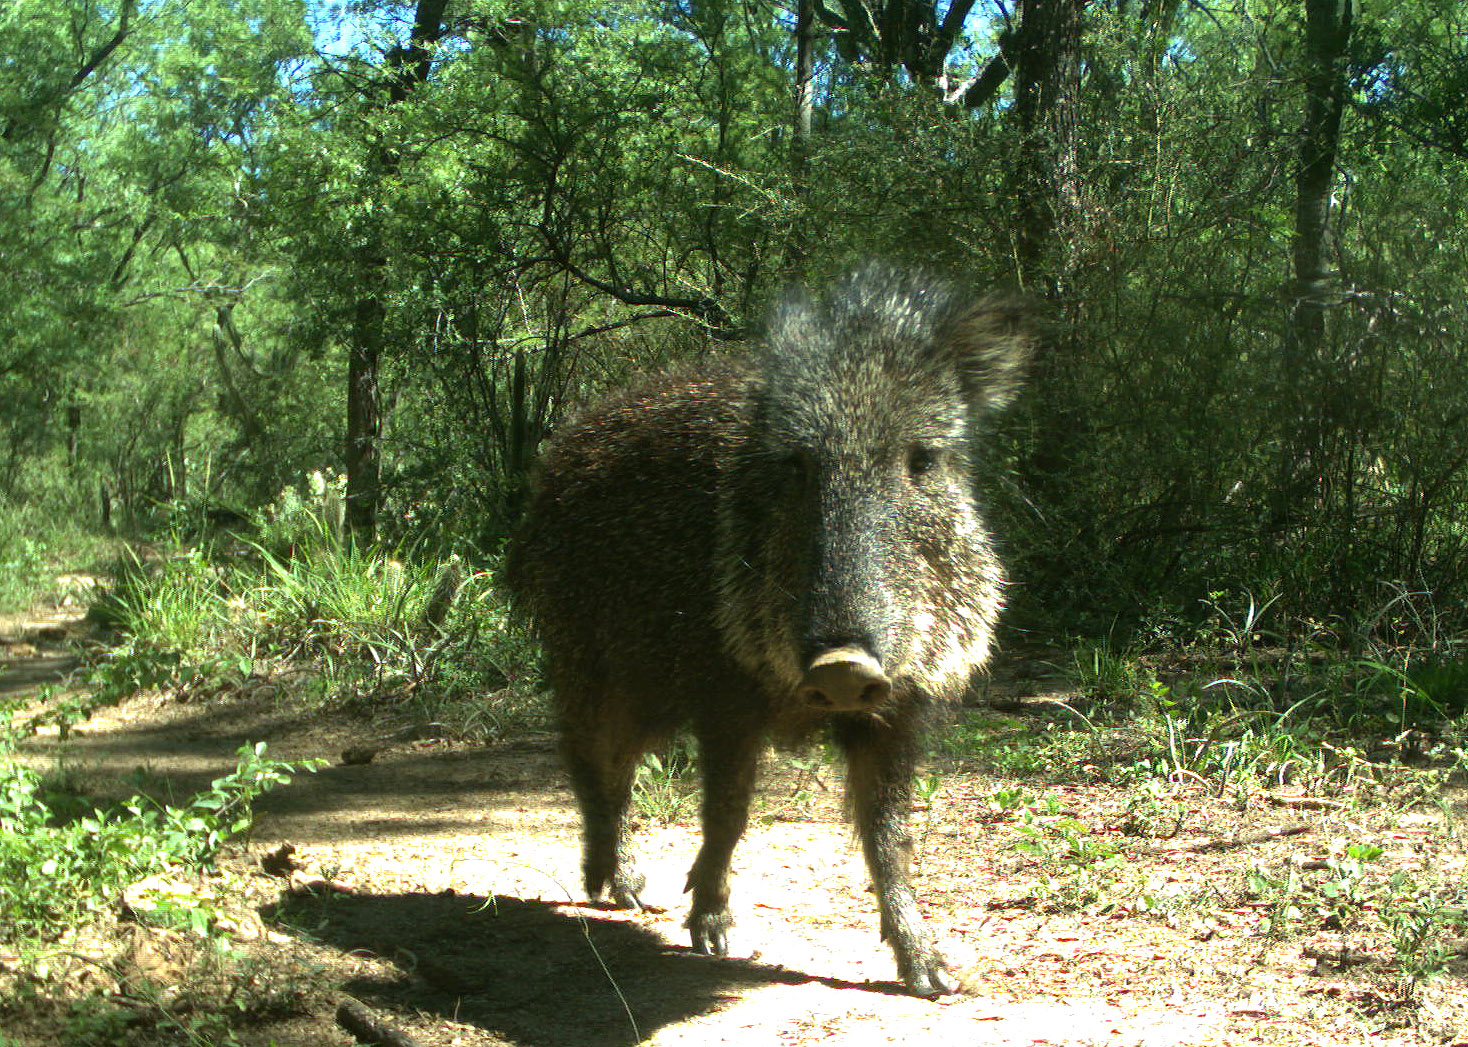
(766, 545)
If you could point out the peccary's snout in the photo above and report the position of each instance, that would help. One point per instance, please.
(842, 680)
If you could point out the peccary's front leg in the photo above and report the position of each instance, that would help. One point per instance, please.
(881, 759)
(729, 758)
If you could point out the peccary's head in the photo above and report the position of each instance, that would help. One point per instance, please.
(854, 566)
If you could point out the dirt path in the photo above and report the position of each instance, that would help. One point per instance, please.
(461, 923)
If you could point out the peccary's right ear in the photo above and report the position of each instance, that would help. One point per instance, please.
(990, 343)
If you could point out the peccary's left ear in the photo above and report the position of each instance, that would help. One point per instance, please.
(990, 343)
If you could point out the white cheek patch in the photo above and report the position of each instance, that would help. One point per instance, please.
(966, 521)
(959, 657)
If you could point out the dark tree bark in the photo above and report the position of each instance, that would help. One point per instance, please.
(73, 433)
(1328, 25)
(806, 37)
(407, 67)
(1327, 33)
(905, 34)
(1044, 181)
(1047, 87)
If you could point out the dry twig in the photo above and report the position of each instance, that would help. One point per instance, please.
(1230, 843)
(363, 1023)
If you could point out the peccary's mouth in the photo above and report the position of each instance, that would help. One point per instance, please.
(842, 680)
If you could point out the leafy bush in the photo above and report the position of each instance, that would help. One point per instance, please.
(364, 622)
(33, 548)
(55, 869)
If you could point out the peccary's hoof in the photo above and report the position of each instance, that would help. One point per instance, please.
(711, 932)
(930, 977)
(627, 891)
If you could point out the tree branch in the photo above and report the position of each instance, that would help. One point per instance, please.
(100, 55)
(87, 68)
(986, 85)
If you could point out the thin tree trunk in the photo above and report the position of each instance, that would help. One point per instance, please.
(806, 34)
(805, 75)
(1047, 98)
(1327, 33)
(226, 336)
(408, 67)
(364, 420)
(1044, 183)
(73, 433)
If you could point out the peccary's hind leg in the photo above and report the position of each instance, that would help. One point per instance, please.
(601, 749)
(881, 759)
(729, 759)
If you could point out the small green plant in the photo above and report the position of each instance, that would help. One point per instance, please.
(1075, 868)
(303, 514)
(1064, 841)
(176, 603)
(661, 786)
(1422, 929)
(1240, 632)
(925, 789)
(54, 870)
(1107, 675)
(1005, 801)
(1052, 752)
(810, 767)
(1155, 809)
(1015, 800)
(1335, 901)
(1346, 890)
(22, 568)
(1280, 897)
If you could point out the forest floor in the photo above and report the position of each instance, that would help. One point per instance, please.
(437, 885)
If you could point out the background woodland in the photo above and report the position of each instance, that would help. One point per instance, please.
(244, 241)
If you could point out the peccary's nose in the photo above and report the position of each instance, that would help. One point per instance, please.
(845, 679)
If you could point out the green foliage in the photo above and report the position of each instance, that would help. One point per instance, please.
(176, 604)
(22, 570)
(1104, 674)
(35, 548)
(206, 209)
(662, 787)
(1346, 896)
(362, 619)
(58, 865)
(1074, 866)
(1423, 925)
(1155, 808)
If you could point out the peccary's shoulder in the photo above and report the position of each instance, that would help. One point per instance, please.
(688, 414)
(623, 506)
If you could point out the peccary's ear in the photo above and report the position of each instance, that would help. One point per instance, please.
(990, 344)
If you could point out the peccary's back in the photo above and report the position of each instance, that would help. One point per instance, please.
(614, 559)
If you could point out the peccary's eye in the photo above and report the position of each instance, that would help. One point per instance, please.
(920, 460)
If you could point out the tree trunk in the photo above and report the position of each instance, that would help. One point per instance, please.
(1327, 33)
(364, 420)
(805, 75)
(226, 336)
(1047, 73)
(806, 35)
(408, 67)
(73, 433)
(1044, 59)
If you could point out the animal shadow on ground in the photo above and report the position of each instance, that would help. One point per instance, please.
(530, 971)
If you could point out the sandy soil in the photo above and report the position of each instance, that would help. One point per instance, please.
(458, 919)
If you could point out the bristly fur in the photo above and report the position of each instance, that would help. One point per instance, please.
(693, 540)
